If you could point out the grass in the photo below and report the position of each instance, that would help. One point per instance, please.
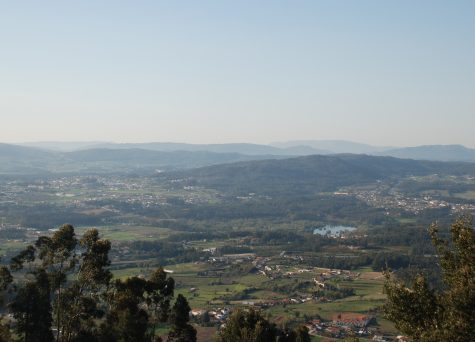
(7, 246)
(128, 272)
(212, 291)
(468, 195)
(386, 325)
(129, 233)
(364, 287)
(407, 220)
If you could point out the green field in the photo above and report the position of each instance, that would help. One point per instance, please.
(130, 232)
(210, 292)
(468, 195)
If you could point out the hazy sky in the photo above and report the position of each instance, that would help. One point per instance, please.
(380, 72)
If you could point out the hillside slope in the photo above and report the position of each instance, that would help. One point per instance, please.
(27, 160)
(313, 173)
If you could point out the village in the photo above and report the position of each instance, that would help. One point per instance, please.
(381, 196)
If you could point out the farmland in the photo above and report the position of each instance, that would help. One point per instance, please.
(228, 249)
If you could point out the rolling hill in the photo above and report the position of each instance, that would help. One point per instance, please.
(332, 146)
(433, 152)
(311, 174)
(239, 148)
(28, 160)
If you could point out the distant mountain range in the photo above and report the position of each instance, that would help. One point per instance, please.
(112, 157)
(281, 149)
(433, 152)
(241, 148)
(425, 152)
(332, 146)
(30, 160)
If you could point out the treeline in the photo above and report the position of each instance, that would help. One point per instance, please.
(333, 292)
(163, 251)
(60, 289)
(44, 216)
(378, 261)
(342, 263)
(287, 206)
(414, 187)
(175, 248)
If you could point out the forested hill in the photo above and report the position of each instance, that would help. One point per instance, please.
(313, 173)
(19, 159)
(139, 158)
(27, 160)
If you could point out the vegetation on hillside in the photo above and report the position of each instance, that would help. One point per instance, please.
(312, 174)
(427, 314)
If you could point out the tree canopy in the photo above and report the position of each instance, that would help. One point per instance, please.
(251, 326)
(61, 289)
(426, 314)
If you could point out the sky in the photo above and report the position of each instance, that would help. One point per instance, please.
(393, 73)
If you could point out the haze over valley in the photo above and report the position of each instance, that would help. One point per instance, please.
(234, 224)
(217, 171)
(106, 157)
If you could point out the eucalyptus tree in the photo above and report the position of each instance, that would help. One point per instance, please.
(90, 283)
(64, 282)
(251, 326)
(159, 293)
(32, 309)
(247, 326)
(127, 319)
(58, 256)
(137, 305)
(74, 277)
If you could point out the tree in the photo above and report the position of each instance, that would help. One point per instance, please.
(251, 326)
(182, 331)
(32, 309)
(126, 320)
(205, 318)
(301, 333)
(77, 275)
(247, 326)
(5, 278)
(5, 281)
(5, 335)
(68, 279)
(446, 315)
(159, 290)
(137, 305)
(58, 258)
(83, 294)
